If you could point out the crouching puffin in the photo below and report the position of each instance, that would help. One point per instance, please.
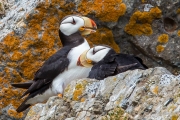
(62, 67)
(108, 63)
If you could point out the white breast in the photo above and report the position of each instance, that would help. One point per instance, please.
(73, 72)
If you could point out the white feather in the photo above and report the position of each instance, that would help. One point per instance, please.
(68, 28)
(99, 55)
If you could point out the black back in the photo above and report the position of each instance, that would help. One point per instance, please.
(113, 64)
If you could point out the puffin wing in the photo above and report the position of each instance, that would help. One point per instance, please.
(52, 67)
(100, 70)
(104, 68)
(128, 62)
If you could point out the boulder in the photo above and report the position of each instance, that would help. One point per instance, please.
(138, 94)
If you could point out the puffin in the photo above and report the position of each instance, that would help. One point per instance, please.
(63, 66)
(106, 62)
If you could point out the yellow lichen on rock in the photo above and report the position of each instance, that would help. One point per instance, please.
(79, 90)
(140, 22)
(106, 10)
(14, 114)
(16, 56)
(103, 36)
(159, 48)
(174, 117)
(178, 11)
(163, 38)
(178, 33)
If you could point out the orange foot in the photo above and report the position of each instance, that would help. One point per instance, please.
(60, 95)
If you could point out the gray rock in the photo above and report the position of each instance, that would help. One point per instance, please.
(138, 94)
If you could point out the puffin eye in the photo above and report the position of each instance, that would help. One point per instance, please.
(74, 22)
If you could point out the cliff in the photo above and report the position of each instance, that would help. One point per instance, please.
(29, 35)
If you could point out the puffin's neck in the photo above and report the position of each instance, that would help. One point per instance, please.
(71, 40)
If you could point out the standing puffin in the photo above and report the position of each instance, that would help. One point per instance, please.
(108, 63)
(62, 67)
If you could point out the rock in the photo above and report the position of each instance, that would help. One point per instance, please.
(146, 32)
(29, 35)
(137, 94)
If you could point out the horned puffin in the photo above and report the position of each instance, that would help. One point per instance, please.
(62, 67)
(106, 62)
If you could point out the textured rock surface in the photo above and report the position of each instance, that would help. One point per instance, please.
(139, 30)
(29, 35)
(149, 94)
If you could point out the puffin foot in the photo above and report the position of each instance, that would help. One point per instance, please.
(60, 95)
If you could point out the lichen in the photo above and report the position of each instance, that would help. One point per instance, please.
(140, 22)
(80, 87)
(16, 56)
(175, 117)
(14, 114)
(178, 33)
(155, 90)
(103, 36)
(160, 48)
(117, 114)
(106, 10)
(163, 38)
(178, 11)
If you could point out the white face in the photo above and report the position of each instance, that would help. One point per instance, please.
(71, 25)
(97, 53)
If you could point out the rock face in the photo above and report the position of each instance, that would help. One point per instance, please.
(29, 35)
(138, 94)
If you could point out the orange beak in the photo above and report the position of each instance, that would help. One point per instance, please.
(89, 26)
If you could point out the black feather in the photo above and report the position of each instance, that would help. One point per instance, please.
(113, 64)
(24, 106)
(24, 85)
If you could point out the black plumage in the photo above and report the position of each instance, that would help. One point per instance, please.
(114, 63)
(43, 78)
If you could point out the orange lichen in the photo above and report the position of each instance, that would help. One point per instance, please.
(103, 36)
(16, 56)
(26, 44)
(178, 33)
(178, 11)
(175, 117)
(143, 1)
(79, 90)
(11, 42)
(155, 90)
(159, 48)
(163, 38)
(106, 10)
(140, 22)
(83, 99)
(15, 114)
